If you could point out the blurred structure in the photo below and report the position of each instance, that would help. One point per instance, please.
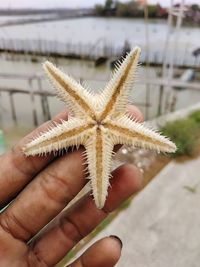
(170, 55)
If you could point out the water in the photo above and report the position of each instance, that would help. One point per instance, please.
(110, 31)
(89, 30)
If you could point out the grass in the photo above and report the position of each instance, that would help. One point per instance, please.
(195, 115)
(185, 133)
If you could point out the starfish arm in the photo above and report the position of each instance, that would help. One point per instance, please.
(69, 91)
(99, 151)
(128, 132)
(115, 95)
(69, 133)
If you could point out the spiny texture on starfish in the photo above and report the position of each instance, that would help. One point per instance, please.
(98, 122)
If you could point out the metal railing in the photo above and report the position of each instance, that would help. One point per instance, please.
(89, 51)
(34, 88)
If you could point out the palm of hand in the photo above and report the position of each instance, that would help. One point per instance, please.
(40, 188)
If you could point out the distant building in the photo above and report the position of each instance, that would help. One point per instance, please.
(161, 11)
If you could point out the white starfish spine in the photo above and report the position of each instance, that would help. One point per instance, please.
(99, 122)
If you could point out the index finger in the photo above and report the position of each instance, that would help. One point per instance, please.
(16, 169)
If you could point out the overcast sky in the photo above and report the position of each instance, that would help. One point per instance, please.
(71, 3)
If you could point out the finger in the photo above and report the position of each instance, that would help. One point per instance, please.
(25, 168)
(47, 185)
(45, 196)
(74, 225)
(105, 252)
(16, 170)
(135, 113)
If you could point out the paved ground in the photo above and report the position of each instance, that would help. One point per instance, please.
(161, 228)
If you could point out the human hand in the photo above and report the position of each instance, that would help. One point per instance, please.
(39, 188)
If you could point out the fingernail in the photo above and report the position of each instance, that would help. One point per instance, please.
(118, 239)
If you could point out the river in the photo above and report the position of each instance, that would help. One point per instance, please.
(113, 31)
(90, 30)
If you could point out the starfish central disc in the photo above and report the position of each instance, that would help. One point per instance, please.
(98, 122)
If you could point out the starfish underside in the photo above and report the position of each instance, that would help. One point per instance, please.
(98, 122)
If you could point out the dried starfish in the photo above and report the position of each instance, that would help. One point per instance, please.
(99, 122)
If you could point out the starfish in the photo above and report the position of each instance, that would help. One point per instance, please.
(98, 122)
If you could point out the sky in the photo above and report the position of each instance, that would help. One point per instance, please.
(71, 3)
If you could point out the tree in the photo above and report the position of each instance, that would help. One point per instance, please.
(109, 4)
(99, 10)
(152, 10)
(195, 7)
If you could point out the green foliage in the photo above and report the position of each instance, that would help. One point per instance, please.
(129, 9)
(184, 133)
(195, 115)
(109, 4)
(99, 10)
(152, 11)
(108, 9)
(121, 10)
(195, 7)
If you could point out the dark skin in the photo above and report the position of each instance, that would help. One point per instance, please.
(40, 188)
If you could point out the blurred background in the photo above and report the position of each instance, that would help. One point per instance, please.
(85, 38)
